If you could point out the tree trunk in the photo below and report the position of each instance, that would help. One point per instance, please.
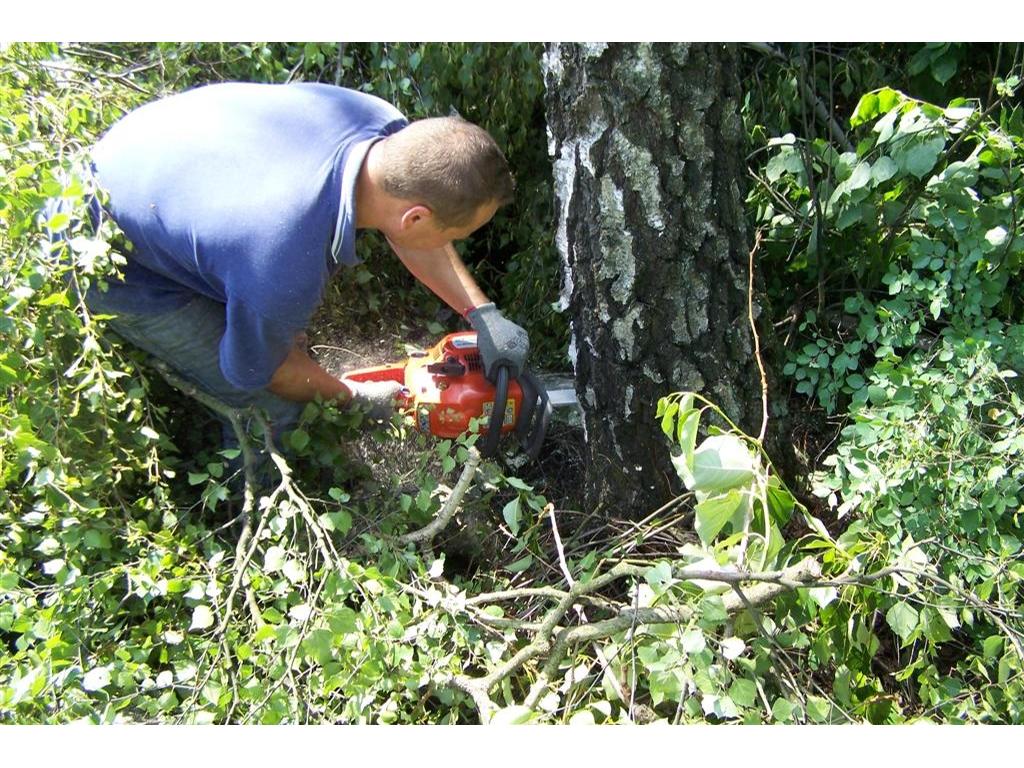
(648, 162)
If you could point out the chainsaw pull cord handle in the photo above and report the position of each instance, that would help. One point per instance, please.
(489, 444)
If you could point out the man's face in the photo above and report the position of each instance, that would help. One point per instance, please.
(423, 233)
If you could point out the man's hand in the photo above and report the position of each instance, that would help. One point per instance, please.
(377, 399)
(501, 341)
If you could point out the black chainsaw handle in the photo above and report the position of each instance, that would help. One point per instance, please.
(535, 414)
(489, 443)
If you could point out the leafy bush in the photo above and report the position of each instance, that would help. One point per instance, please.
(918, 233)
(144, 577)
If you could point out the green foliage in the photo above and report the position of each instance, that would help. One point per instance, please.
(916, 239)
(119, 523)
(735, 492)
(926, 208)
(838, 74)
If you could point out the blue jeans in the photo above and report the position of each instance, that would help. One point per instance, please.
(188, 340)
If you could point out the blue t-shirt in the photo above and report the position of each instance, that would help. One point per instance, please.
(243, 193)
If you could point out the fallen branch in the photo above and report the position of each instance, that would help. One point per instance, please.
(243, 552)
(451, 504)
(553, 641)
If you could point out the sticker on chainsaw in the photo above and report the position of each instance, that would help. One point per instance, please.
(510, 412)
(424, 420)
(465, 342)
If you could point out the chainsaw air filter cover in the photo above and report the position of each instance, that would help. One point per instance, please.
(448, 388)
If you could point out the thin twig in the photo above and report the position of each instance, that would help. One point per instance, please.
(757, 341)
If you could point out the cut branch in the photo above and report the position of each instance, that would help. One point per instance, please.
(553, 641)
(447, 511)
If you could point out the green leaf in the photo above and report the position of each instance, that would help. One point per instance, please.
(96, 679)
(293, 571)
(883, 170)
(687, 437)
(274, 559)
(518, 484)
(8, 375)
(713, 513)
(514, 715)
(903, 620)
(343, 621)
(743, 692)
(823, 595)
(299, 439)
(668, 419)
(993, 646)
(585, 717)
(944, 68)
(149, 433)
(958, 113)
(860, 177)
(693, 641)
(60, 298)
(659, 576)
(818, 709)
(520, 565)
(341, 521)
(996, 236)
(920, 158)
(934, 626)
(886, 127)
(887, 99)
(866, 109)
(511, 515)
(712, 610)
(782, 710)
(202, 617)
(720, 463)
(318, 645)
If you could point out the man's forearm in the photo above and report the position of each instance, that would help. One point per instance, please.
(299, 378)
(443, 272)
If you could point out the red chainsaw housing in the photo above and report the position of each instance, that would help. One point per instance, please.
(445, 387)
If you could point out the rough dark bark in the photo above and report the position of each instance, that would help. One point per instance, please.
(648, 159)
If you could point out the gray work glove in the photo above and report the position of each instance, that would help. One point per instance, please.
(500, 341)
(376, 399)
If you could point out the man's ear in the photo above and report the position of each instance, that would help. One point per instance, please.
(415, 214)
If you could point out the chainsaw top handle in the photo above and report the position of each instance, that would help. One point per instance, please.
(532, 422)
(489, 444)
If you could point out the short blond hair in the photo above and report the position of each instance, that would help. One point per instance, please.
(447, 164)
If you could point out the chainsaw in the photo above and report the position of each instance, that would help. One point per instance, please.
(446, 392)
